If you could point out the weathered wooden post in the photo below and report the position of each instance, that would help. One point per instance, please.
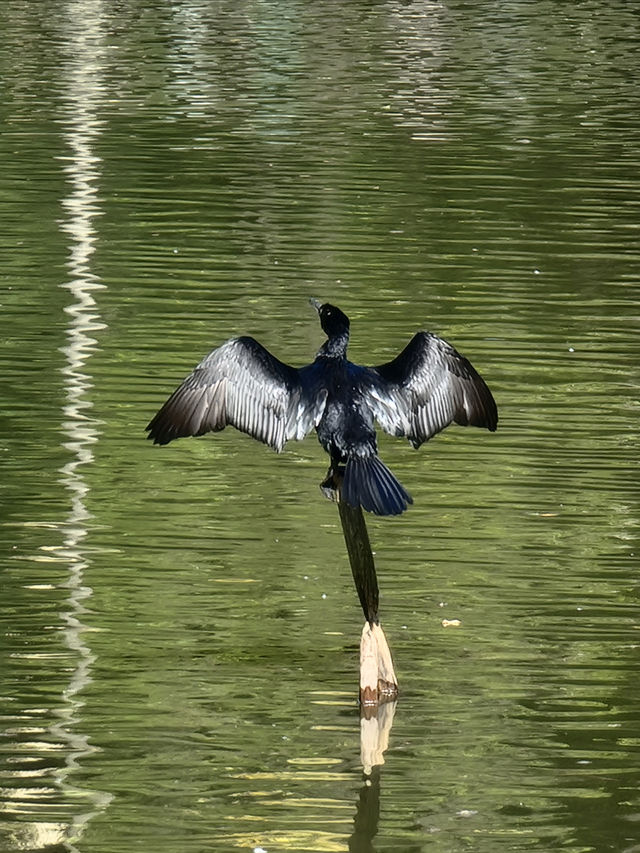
(378, 681)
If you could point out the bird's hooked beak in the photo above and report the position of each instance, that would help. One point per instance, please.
(316, 304)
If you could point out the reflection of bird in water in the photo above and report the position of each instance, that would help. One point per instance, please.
(424, 389)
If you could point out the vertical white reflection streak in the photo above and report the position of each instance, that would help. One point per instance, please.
(83, 94)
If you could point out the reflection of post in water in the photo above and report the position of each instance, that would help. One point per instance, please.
(377, 678)
(367, 816)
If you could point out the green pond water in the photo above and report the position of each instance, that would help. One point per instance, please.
(178, 626)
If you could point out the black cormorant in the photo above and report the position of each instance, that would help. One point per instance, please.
(424, 389)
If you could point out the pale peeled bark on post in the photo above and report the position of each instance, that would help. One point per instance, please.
(377, 677)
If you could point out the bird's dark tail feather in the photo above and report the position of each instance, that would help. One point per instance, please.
(370, 484)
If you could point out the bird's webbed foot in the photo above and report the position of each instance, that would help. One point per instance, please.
(329, 486)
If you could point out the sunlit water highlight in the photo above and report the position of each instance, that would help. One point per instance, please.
(80, 430)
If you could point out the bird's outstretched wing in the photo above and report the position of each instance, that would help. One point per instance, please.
(427, 387)
(241, 384)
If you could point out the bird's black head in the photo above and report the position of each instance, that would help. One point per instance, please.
(333, 321)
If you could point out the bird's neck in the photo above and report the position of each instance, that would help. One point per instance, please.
(335, 346)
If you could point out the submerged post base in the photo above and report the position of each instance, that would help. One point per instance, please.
(378, 681)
